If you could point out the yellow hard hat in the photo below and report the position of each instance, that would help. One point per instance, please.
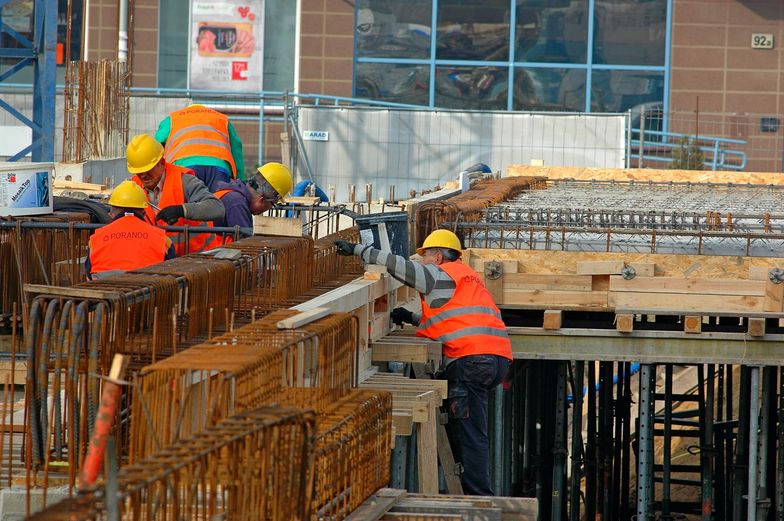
(441, 239)
(128, 195)
(143, 153)
(278, 176)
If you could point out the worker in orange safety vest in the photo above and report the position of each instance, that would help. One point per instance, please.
(178, 195)
(129, 242)
(204, 140)
(458, 311)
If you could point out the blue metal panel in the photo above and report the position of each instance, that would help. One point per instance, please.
(433, 37)
(589, 56)
(40, 53)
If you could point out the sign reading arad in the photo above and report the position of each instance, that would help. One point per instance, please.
(226, 45)
(315, 135)
(762, 41)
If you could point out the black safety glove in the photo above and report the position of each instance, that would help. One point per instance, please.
(171, 214)
(345, 248)
(400, 315)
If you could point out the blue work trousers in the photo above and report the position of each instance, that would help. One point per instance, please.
(469, 378)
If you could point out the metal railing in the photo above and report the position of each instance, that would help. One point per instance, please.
(658, 146)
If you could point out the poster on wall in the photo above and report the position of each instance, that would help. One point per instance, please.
(226, 50)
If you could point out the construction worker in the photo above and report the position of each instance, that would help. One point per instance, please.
(178, 195)
(205, 141)
(129, 242)
(458, 311)
(242, 201)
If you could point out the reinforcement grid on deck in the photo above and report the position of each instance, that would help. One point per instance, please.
(685, 218)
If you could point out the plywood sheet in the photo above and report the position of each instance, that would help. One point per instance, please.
(646, 174)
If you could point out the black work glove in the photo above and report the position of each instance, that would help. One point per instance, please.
(345, 248)
(171, 214)
(400, 315)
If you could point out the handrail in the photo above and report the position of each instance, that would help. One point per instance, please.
(717, 154)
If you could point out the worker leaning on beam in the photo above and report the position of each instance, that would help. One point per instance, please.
(242, 201)
(458, 311)
(181, 198)
(205, 141)
(129, 242)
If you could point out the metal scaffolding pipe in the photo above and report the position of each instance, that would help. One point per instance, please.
(751, 506)
(645, 464)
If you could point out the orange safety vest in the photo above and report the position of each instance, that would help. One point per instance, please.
(127, 243)
(199, 131)
(225, 239)
(470, 323)
(173, 194)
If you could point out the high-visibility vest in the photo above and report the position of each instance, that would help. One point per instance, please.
(127, 243)
(199, 131)
(470, 323)
(225, 239)
(173, 194)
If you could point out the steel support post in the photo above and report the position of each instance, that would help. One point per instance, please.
(577, 441)
(498, 439)
(645, 436)
(617, 437)
(763, 501)
(627, 446)
(45, 77)
(559, 449)
(667, 448)
(741, 455)
(398, 471)
(751, 504)
(590, 445)
(706, 451)
(780, 452)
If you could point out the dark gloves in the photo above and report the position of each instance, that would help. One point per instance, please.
(171, 214)
(400, 315)
(345, 248)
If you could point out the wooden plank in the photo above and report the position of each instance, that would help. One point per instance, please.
(403, 422)
(555, 299)
(624, 322)
(303, 318)
(418, 516)
(600, 267)
(644, 269)
(266, 225)
(774, 297)
(692, 324)
(756, 327)
(645, 174)
(427, 449)
(691, 286)
(41, 289)
(421, 385)
(299, 199)
(494, 286)
(20, 371)
(423, 352)
(376, 505)
(667, 265)
(552, 319)
(529, 281)
(447, 459)
(677, 303)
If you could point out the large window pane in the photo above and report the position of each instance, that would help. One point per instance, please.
(399, 29)
(397, 83)
(558, 33)
(471, 87)
(173, 41)
(618, 91)
(549, 89)
(473, 30)
(630, 32)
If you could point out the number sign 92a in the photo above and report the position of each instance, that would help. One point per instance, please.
(761, 41)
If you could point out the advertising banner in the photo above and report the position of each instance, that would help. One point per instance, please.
(227, 45)
(25, 189)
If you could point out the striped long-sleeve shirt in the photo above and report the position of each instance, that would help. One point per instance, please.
(433, 283)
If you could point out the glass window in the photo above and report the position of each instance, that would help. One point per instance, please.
(619, 91)
(400, 83)
(473, 30)
(174, 39)
(630, 32)
(472, 87)
(399, 29)
(549, 89)
(556, 34)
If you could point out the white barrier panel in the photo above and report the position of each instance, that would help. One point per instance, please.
(419, 149)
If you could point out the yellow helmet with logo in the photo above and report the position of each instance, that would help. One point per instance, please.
(441, 239)
(143, 153)
(278, 176)
(128, 195)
